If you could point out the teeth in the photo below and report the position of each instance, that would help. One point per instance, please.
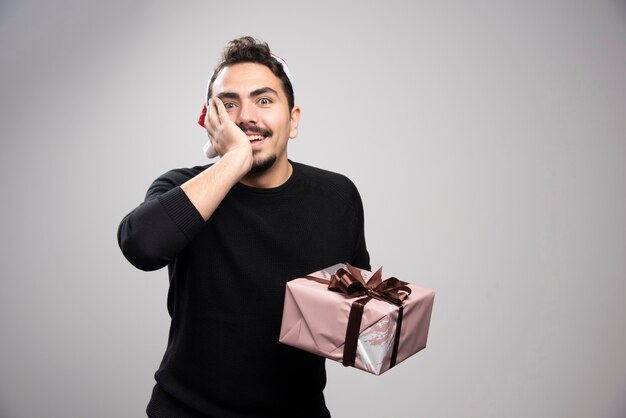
(255, 137)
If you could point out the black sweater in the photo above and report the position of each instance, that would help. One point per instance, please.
(227, 286)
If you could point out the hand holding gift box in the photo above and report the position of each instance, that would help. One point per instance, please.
(358, 318)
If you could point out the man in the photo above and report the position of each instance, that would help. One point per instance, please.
(232, 234)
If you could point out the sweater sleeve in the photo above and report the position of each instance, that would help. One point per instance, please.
(360, 255)
(161, 227)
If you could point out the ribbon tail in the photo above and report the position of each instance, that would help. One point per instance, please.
(396, 340)
(318, 279)
(352, 331)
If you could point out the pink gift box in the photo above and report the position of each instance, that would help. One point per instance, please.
(315, 319)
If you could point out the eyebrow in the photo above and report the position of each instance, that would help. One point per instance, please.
(263, 90)
(254, 93)
(227, 95)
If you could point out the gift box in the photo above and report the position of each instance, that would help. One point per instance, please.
(356, 317)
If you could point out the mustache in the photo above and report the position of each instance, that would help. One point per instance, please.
(255, 129)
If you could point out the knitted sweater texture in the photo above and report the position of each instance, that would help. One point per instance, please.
(227, 287)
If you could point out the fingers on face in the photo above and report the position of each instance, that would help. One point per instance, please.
(220, 110)
(211, 120)
(216, 118)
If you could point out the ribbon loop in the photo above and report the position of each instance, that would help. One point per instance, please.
(351, 283)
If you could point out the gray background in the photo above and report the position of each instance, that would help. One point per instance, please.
(487, 138)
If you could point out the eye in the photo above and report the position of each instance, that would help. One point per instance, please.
(265, 101)
(229, 105)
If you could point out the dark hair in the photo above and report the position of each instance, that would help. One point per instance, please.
(248, 49)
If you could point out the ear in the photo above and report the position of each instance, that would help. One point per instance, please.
(295, 121)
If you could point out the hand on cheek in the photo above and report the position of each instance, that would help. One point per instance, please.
(224, 134)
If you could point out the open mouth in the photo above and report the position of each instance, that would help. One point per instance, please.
(255, 133)
(255, 137)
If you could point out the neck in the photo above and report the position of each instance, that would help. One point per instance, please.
(275, 176)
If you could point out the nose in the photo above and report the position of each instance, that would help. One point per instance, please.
(247, 113)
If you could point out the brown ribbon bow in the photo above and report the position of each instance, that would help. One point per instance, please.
(350, 282)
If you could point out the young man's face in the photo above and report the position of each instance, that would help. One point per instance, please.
(255, 100)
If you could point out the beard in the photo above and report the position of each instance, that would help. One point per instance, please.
(261, 166)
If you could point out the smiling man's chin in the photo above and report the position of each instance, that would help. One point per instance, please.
(263, 165)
